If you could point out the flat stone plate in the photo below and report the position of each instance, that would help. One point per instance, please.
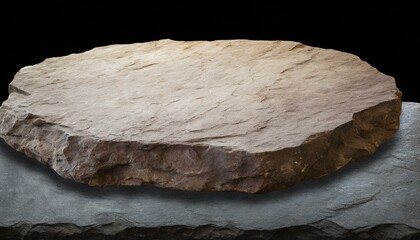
(374, 198)
(230, 115)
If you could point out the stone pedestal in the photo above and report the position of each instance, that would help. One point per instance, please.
(229, 115)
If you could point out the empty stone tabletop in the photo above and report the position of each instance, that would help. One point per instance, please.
(229, 115)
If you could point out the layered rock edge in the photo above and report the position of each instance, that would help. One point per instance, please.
(320, 230)
(99, 162)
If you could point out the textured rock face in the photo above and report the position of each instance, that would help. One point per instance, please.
(373, 199)
(245, 116)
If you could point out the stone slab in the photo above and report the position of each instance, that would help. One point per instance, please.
(228, 115)
(375, 198)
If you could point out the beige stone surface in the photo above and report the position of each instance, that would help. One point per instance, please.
(233, 115)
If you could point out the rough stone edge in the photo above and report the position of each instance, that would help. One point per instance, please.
(323, 229)
(349, 141)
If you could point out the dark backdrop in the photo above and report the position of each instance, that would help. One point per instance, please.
(373, 30)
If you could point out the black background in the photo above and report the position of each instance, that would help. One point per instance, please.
(383, 33)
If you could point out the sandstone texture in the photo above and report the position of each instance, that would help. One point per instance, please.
(237, 115)
(378, 198)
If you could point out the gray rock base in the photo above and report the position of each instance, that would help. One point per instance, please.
(321, 231)
(375, 198)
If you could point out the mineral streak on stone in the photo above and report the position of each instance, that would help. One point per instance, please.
(238, 115)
